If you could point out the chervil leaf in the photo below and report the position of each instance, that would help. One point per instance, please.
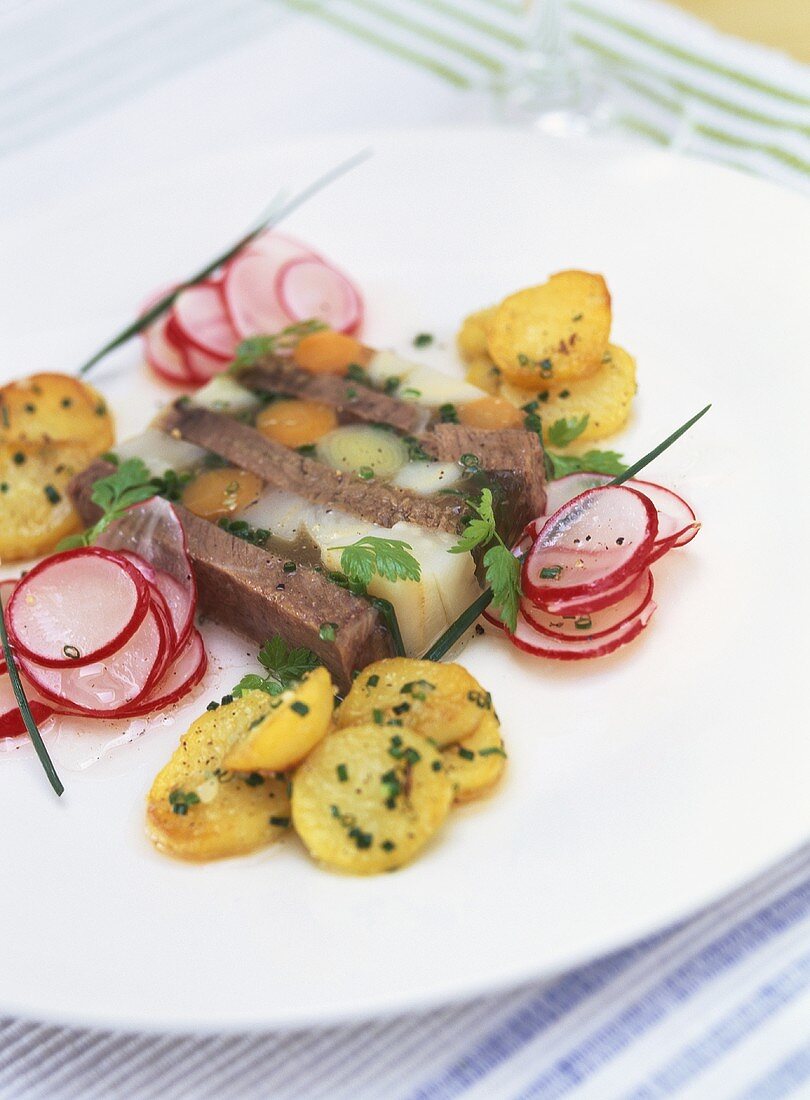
(593, 462)
(285, 665)
(255, 348)
(503, 574)
(478, 531)
(130, 483)
(566, 429)
(389, 558)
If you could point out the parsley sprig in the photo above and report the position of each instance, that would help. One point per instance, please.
(285, 666)
(566, 430)
(390, 559)
(501, 567)
(130, 483)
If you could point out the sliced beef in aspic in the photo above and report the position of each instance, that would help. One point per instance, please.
(247, 589)
(281, 468)
(511, 456)
(351, 400)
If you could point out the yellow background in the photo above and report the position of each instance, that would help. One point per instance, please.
(784, 24)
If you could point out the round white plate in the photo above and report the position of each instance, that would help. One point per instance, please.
(639, 786)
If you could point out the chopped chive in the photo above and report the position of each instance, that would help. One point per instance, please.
(422, 340)
(299, 708)
(342, 773)
(327, 632)
(465, 754)
(254, 779)
(550, 572)
(280, 822)
(373, 680)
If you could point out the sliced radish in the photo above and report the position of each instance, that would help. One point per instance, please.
(109, 686)
(594, 625)
(592, 543)
(163, 357)
(152, 531)
(578, 649)
(6, 590)
(595, 601)
(309, 288)
(203, 321)
(203, 366)
(11, 719)
(677, 522)
(183, 674)
(180, 600)
(250, 296)
(77, 607)
(280, 248)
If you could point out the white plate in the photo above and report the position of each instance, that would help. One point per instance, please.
(639, 786)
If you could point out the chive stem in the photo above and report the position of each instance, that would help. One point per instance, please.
(269, 221)
(631, 471)
(459, 626)
(25, 710)
(386, 609)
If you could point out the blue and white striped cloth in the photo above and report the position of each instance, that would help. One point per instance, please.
(717, 1007)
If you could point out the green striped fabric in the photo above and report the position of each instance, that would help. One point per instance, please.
(673, 80)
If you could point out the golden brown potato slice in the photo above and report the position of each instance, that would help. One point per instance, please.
(52, 408)
(197, 809)
(605, 396)
(369, 797)
(472, 338)
(555, 332)
(35, 509)
(292, 726)
(476, 764)
(442, 701)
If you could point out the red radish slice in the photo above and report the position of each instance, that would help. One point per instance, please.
(6, 590)
(576, 649)
(201, 318)
(162, 356)
(313, 289)
(152, 531)
(77, 607)
(595, 625)
(596, 540)
(203, 366)
(146, 570)
(250, 296)
(675, 516)
(109, 686)
(280, 248)
(179, 601)
(183, 674)
(594, 601)
(11, 720)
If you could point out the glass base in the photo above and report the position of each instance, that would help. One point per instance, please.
(556, 100)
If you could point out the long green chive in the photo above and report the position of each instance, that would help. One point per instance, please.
(25, 710)
(458, 628)
(386, 609)
(267, 222)
(631, 471)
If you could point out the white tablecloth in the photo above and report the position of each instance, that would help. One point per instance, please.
(716, 1008)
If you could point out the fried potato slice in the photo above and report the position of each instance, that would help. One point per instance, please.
(369, 798)
(442, 701)
(555, 332)
(291, 726)
(472, 339)
(477, 763)
(199, 810)
(605, 396)
(483, 373)
(34, 504)
(46, 408)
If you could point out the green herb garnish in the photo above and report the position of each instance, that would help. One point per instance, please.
(388, 558)
(285, 667)
(422, 340)
(501, 567)
(181, 800)
(592, 462)
(566, 429)
(130, 483)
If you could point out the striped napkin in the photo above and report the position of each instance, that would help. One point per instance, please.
(717, 1008)
(681, 83)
